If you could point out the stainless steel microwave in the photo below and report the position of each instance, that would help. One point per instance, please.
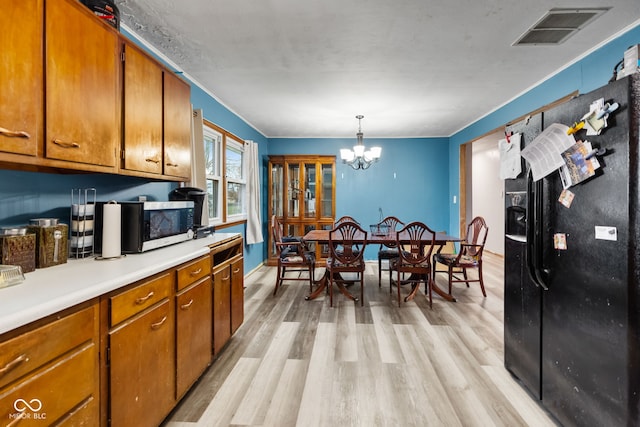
(149, 225)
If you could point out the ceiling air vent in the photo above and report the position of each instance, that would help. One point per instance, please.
(557, 25)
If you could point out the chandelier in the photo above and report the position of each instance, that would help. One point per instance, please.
(359, 157)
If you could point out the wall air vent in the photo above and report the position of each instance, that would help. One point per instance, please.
(557, 25)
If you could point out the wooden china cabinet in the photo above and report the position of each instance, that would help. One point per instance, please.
(302, 194)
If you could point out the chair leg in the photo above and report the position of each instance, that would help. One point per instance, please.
(362, 289)
(430, 286)
(481, 281)
(450, 271)
(379, 272)
(278, 282)
(312, 269)
(330, 290)
(398, 286)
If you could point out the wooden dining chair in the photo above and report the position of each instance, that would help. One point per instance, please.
(293, 257)
(469, 256)
(346, 255)
(388, 251)
(416, 241)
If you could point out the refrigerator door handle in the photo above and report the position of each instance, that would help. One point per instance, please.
(534, 232)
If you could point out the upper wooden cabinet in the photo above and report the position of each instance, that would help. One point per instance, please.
(78, 95)
(82, 86)
(177, 127)
(142, 112)
(21, 77)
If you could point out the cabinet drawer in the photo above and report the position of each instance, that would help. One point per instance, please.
(27, 352)
(145, 295)
(193, 271)
(54, 392)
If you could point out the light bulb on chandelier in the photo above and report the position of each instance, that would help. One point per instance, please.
(359, 157)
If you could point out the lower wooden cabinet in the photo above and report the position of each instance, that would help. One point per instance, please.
(127, 357)
(49, 374)
(228, 292)
(221, 307)
(237, 294)
(142, 355)
(193, 325)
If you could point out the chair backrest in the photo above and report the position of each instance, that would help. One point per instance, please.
(417, 241)
(393, 224)
(477, 232)
(277, 232)
(347, 242)
(345, 218)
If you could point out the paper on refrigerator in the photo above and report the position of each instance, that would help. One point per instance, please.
(544, 153)
(510, 163)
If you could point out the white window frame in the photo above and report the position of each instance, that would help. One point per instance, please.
(217, 138)
(231, 143)
(224, 139)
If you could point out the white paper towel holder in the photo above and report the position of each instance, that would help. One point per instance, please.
(109, 258)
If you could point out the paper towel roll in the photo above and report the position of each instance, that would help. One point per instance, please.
(111, 230)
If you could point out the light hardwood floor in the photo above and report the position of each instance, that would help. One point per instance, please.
(302, 363)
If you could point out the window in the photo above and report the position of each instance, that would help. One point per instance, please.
(213, 161)
(224, 153)
(236, 184)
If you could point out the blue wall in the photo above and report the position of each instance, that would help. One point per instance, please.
(588, 74)
(26, 195)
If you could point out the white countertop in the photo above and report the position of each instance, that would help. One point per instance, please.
(48, 290)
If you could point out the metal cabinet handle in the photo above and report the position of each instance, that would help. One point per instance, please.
(14, 363)
(187, 305)
(14, 133)
(65, 144)
(142, 300)
(152, 160)
(237, 270)
(224, 279)
(196, 272)
(157, 325)
(175, 165)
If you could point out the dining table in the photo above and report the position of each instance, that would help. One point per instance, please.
(321, 236)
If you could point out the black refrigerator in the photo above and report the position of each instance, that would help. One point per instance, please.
(571, 313)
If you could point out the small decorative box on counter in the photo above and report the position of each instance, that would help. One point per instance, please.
(17, 247)
(51, 241)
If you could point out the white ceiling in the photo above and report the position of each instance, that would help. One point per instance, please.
(306, 68)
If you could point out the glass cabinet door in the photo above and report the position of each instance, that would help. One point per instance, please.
(310, 190)
(277, 189)
(327, 191)
(293, 189)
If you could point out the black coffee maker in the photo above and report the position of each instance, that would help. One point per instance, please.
(196, 195)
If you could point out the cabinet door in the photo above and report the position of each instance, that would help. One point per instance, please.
(237, 294)
(177, 127)
(58, 391)
(82, 102)
(21, 77)
(221, 308)
(193, 333)
(142, 368)
(142, 112)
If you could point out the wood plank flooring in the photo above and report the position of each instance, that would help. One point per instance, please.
(302, 363)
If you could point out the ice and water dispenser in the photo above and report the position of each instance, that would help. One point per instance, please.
(516, 213)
